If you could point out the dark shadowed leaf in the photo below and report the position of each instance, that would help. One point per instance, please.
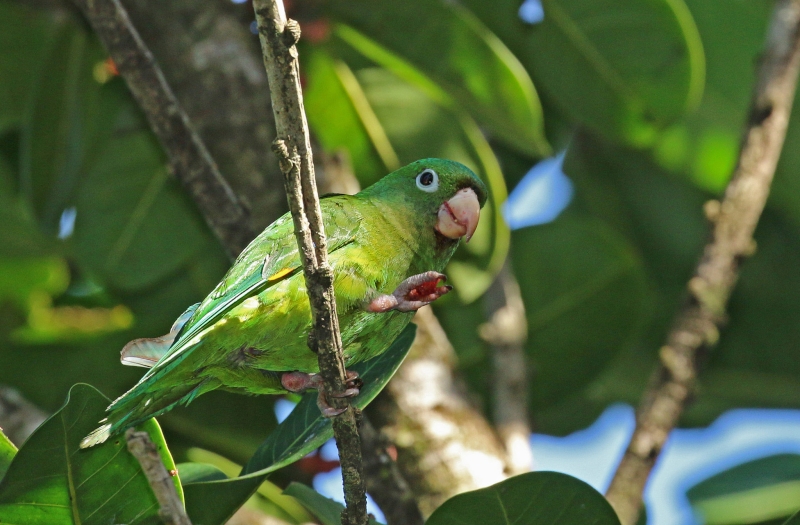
(794, 520)
(622, 68)
(585, 297)
(469, 62)
(51, 480)
(25, 37)
(212, 503)
(329, 512)
(535, 498)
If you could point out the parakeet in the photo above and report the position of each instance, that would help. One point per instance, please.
(387, 246)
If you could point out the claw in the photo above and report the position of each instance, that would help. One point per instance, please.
(299, 382)
(412, 294)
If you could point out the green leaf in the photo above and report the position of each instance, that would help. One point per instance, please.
(625, 69)
(25, 37)
(199, 472)
(755, 491)
(585, 297)
(535, 498)
(212, 503)
(342, 118)
(52, 480)
(7, 453)
(704, 146)
(328, 511)
(794, 520)
(453, 48)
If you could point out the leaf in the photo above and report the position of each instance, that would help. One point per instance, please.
(452, 47)
(624, 69)
(212, 503)
(342, 118)
(535, 498)
(51, 480)
(585, 297)
(794, 520)
(328, 511)
(24, 39)
(7, 453)
(755, 491)
(199, 472)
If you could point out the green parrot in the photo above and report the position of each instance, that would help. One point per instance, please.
(387, 246)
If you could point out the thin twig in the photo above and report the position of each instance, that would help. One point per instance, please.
(384, 480)
(171, 508)
(734, 220)
(189, 159)
(293, 148)
(506, 331)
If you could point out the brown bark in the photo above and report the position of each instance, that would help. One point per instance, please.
(170, 505)
(190, 161)
(734, 220)
(506, 332)
(444, 446)
(293, 148)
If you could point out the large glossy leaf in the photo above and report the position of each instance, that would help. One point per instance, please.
(7, 453)
(585, 297)
(211, 503)
(453, 47)
(51, 480)
(622, 68)
(755, 491)
(535, 498)
(329, 512)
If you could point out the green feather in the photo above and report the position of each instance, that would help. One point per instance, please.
(254, 325)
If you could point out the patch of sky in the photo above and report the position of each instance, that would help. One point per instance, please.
(531, 11)
(66, 224)
(540, 196)
(283, 407)
(689, 456)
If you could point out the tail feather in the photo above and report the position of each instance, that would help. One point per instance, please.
(140, 404)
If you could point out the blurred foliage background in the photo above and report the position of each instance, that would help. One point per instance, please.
(647, 98)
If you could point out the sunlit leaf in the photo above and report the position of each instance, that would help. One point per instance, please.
(51, 480)
(7, 453)
(535, 498)
(453, 48)
(625, 69)
(755, 491)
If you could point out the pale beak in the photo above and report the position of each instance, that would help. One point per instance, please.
(458, 217)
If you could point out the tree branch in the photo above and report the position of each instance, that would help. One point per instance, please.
(734, 220)
(384, 480)
(171, 508)
(444, 446)
(506, 331)
(189, 159)
(293, 148)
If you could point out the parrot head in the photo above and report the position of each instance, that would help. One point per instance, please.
(444, 193)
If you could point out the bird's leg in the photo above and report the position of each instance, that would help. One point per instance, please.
(412, 294)
(299, 382)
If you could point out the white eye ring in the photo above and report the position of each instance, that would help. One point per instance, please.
(428, 180)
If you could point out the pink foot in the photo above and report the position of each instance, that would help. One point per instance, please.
(299, 382)
(412, 294)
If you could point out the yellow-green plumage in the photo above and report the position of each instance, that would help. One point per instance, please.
(254, 325)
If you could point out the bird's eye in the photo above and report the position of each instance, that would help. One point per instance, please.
(428, 180)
